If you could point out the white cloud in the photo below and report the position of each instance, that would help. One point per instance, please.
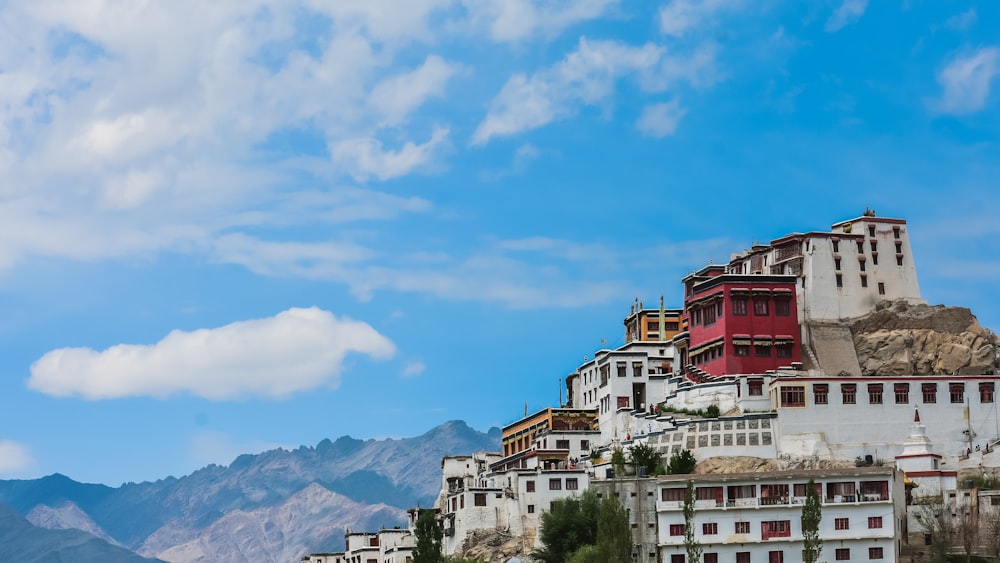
(963, 21)
(660, 120)
(849, 12)
(296, 350)
(365, 158)
(678, 17)
(213, 446)
(585, 77)
(413, 369)
(515, 20)
(966, 81)
(14, 457)
(396, 97)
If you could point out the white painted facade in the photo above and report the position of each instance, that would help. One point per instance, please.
(752, 515)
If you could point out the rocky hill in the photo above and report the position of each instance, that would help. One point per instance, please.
(905, 339)
(274, 506)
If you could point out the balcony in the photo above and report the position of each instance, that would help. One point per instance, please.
(758, 502)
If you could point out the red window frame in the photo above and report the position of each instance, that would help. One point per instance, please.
(874, 522)
(841, 523)
(676, 529)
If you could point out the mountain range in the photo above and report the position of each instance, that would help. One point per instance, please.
(270, 507)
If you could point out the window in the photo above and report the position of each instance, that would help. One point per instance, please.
(479, 499)
(874, 245)
(875, 393)
(929, 391)
(740, 306)
(899, 248)
(841, 524)
(783, 350)
(529, 486)
(836, 263)
(775, 557)
(677, 529)
(874, 522)
(899, 259)
(555, 484)
(783, 307)
(881, 288)
(531, 509)
(621, 369)
(864, 280)
(821, 393)
(986, 392)
(742, 557)
(584, 445)
(874, 553)
(637, 369)
(840, 280)
(902, 392)
(760, 307)
(776, 529)
(756, 387)
(710, 529)
(849, 393)
(708, 315)
(741, 351)
(572, 484)
(677, 558)
(562, 444)
(843, 554)
(861, 247)
(861, 265)
(836, 248)
(793, 396)
(762, 350)
(875, 258)
(895, 232)
(957, 392)
(743, 527)
(672, 495)
(711, 558)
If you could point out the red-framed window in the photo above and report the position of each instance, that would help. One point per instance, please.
(875, 553)
(775, 557)
(742, 527)
(849, 393)
(875, 393)
(929, 391)
(902, 392)
(874, 522)
(957, 392)
(842, 554)
(821, 393)
(776, 529)
(673, 494)
(756, 386)
(986, 390)
(841, 524)
(677, 529)
(793, 396)
(710, 529)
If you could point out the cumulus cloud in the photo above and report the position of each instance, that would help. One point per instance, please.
(966, 81)
(365, 158)
(679, 17)
(14, 457)
(585, 77)
(660, 120)
(849, 12)
(515, 20)
(296, 350)
(395, 97)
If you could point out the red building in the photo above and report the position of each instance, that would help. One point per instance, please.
(739, 323)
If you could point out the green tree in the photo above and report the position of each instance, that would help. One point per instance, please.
(691, 545)
(618, 462)
(644, 455)
(812, 513)
(681, 463)
(614, 537)
(428, 534)
(568, 525)
(586, 554)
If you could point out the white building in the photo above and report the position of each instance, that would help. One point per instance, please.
(746, 517)
(842, 273)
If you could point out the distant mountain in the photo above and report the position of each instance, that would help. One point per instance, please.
(273, 506)
(22, 542)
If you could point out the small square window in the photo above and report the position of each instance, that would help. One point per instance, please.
(555, 484)
(875, 553)
(841, 524)
(874, 522)
(843, 554)
(710, 529)
(531, 509)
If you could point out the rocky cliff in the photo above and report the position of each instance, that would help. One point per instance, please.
(905, 339)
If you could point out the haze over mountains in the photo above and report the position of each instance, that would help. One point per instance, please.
(273, 506)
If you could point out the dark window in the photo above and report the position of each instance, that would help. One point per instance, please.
(895, 232)
(762, 351)
(871, 230)
(783, 307)
(529, 486)
(875, 258)
(760, 307)
(677, 529)
(637, 369)
(841, 524)
(711, 558)
(874, 553)
(986, 392)
(874, 245)
(479, 499)
(840, 280)
(776, 529)
(861, 247)
(739, 306)
(571, 484)
(849, 392)
(675, 558)
(708, 315)
(742, 557)
(555, 484)
(836, 248)
(743, 527)
(875, 393)
(957, 392)
(929, 391)
(710, 529)
(836, 263)
(741, 351)
(562, 444)
(899, 247)
(775, 557)
(864, 280)
(621, 369)
(531, 509)
(821, 393)
(874, 522)
(899, 259)
(584, 445)
(673, 495)
(784, 350)
(881, 288)
(843, 554)
(902, 392)
(861, 265)
(793, 396)
(756, 387)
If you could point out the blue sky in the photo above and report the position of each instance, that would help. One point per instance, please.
(249, 225)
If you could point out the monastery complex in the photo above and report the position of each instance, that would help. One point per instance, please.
(766, 342)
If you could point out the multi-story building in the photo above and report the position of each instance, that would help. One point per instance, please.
(744, 517)
(738, 323)
(842, 273)
(518, 438)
